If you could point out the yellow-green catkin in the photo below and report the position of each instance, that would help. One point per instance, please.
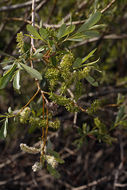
(20, 41)
(66, 65)
(52, 74)
(24, 115)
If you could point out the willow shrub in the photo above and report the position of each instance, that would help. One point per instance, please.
(62, 73)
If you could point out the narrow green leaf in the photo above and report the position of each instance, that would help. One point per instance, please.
(91, 63)
(98, 26)
(92, 20)
(33, 72)
(7, 77)
(16, 80)
(56, 155)
(120, 114)
(89, 55)
(92, 81)
(43, 32)
(33, 31)
(1, 116)
(77, 62)
(6, 54)
(59, 160)
(38, 53)
(49, 145)
(61, 31)
(6, 62)
(91, 34)
(53, 171)
(41, 49)
(87, 64)
(7, 67)
(76, 37)
(68, 30)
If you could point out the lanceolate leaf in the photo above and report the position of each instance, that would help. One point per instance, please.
(7, 77)
(89, 55)
(61, 31)
(5, 62)
(77, 63)
(33, 31)
(33, 72)
(92, 81)
(43, 32)
(69, 30)
(7, 67)
(91, 63)
(120, 114)
(53, 171)
(91, 34)
(98, 26)
(76, 37)
(16, 80)
(90, 22)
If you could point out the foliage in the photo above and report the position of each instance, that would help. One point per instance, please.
(59, 74)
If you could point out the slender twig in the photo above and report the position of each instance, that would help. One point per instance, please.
(108, 6)
(121, 185)
(33, 23)
(45, 24)
(75, 114)
(106, 37)
(17, 6)
(46, 131)
(75, 103)
(120, 167)
(94, 183)
(59, 25)
(104, 91)
(29, 101)
(81, 6)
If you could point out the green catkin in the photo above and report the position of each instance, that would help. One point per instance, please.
(55, 124)
(20, 41)
(52, 74)
(66, 66)
(24, 115)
